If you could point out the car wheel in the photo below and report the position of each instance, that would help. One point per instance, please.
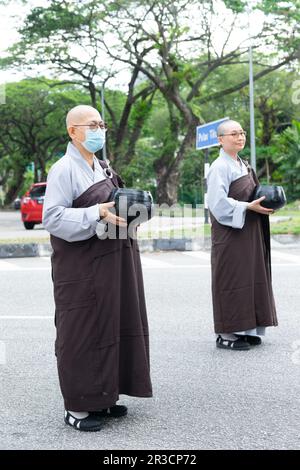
(29, 225)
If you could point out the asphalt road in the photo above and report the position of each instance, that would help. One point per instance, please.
(204, 398)
(11, 227)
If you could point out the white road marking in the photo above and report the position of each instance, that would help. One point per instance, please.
(197, 254)
(275, 254)
(286, 265)
(179, 266)
(295, 259)
(21, 268)
(154, 263)
(17, 264)
(26, 317)
(7, 266)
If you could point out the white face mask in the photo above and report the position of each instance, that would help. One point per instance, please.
(94, 140)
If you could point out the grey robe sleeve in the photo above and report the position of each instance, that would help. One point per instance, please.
(226, 210)
(59, 218)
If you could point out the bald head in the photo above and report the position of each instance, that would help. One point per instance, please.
(231, 137)
(82, 114)
(228, 126)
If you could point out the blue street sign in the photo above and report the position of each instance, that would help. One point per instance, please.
(206, 135)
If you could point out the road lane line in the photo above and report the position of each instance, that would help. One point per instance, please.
(154, 263)
(294, 259)
(7, 266)
(27, 317)
(147, 263)
(197, 254)
(20, 268)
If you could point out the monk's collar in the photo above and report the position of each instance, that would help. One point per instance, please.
(75, 155)
(228, 157)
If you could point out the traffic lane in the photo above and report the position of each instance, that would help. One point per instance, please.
(203, 397)
(11, 227)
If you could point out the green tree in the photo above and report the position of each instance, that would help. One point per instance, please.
(66, 37)
(287, 159)
(158, 34)
(32, 129)
(166, 47)
(274, 110)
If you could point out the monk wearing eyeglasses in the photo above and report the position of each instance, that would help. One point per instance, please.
(102, 337)
(243, 302)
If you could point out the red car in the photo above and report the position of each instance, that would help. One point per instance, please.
(32, 205)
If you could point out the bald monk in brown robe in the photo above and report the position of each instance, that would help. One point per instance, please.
(102, 342)
(243, 303)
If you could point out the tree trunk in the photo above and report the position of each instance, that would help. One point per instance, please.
(36, 174)
(167, 168)
(14, 189)
(41, 167)
(268, 171)
(167, 187)
(93, 94)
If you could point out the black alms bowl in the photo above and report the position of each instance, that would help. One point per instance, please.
(132, 204)
(274, 196)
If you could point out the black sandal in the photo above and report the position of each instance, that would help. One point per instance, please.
(116, 411)
(88, 424)
(239, 344)
(252, 340)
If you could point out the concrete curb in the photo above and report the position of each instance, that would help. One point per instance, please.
(23, 250)
(286, 239)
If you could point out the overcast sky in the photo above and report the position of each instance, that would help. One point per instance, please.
(9, 35)
(8, 31)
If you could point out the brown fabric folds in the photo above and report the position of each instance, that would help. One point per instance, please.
(102, 343)
(241, 268)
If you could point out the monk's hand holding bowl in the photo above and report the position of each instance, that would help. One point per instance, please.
(108, 216)
(256, 207)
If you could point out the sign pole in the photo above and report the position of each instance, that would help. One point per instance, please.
(251, 89)
(206, 168)
(103, 117)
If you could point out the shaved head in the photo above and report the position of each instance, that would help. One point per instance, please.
(228, 125)
(231, 137)
(81, 114)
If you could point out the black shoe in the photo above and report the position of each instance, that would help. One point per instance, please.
(88, 424)
(116, 411)
(253, 340)
(239, 344)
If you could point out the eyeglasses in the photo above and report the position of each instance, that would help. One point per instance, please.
(236, 134)
(93, 126)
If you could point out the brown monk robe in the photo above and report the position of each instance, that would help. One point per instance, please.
(241, 271)
(102, 343)
(243, 303)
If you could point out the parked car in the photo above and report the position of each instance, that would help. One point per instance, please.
(32, 205)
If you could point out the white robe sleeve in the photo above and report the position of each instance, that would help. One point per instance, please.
(226, 210)
(59, 218)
